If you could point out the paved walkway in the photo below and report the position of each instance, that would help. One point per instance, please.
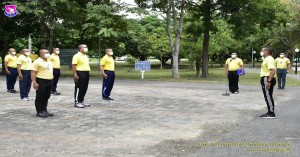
(146, 119)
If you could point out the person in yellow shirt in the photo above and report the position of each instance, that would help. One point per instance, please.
(107, 67)
(24, 66)
(268, 80)
(81, 71)
(232, 66)
(10, 64)
(33, 56)
(283, 66)
(19, 54)
(54, 58)
(42, 75)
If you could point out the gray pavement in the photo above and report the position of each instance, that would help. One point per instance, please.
(147, 118)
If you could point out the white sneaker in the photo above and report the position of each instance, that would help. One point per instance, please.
(29, 98)
(79, 105)
(86, 104)
(25, 99)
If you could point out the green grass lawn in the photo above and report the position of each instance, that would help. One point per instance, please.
(216, 74)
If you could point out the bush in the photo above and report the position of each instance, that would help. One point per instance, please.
(130, 60)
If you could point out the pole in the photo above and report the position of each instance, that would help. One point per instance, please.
(29, 43)
(252, 58)
(99, 53)
(296, 69)
(143, 74)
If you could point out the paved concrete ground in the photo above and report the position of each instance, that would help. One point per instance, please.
(146, 119)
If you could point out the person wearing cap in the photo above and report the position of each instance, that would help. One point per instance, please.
(232, 66)
(268, 80)
(107, 67)
(24, 66)
(54, 58)
(283, 66)
(81, 69)
(42, 75)
(33, 56)
(10, 64)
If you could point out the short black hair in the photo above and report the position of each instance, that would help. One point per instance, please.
(269, 49)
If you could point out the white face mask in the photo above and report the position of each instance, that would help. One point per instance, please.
(47, 55)
(111, 53)
(57, 52)
(27, 53)
(85, 50)
(262, 53)
(233, 56)
(13, 53)
(282, 56)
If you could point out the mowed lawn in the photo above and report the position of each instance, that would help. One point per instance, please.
(187, 73)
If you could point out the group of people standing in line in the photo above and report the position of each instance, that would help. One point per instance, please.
(269, 69)
(43, 72)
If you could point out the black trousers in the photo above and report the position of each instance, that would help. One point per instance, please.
(12, 78)
(108, 83)
(56, 74)
(281, 74)
(268, 93)
(81, 86)
(25, 84)
(42, 94)
(233, 79)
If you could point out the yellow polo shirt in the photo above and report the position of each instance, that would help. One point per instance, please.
(33, 57)
(234, 64)
(43, 68)
(54, 58)
(11, 60)
(267, 65)
(282, 63)
(108, 63)
(82, 62)
(25, 62)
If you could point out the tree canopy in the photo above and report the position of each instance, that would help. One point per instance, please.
(200, 30)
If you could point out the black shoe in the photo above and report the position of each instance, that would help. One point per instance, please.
(279, 88)
(55, 93)
(15, 91)
(42, 114)
(109, 98)
(48, 113)
(105, 99)
(10, 91)
(268, 116)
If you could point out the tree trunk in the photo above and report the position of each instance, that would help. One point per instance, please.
(178, 31)
(5, 48)
(51, 33)
(198, 63)
(207, 24)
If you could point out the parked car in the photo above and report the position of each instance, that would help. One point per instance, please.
(123, 58)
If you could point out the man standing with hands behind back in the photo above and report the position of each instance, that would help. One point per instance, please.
(10, 64)
(81, 71)
(107, 67)
(283, 66)
(232, 66)
(42, 75)
(24, 67)
(268, 81)
(54, 58)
